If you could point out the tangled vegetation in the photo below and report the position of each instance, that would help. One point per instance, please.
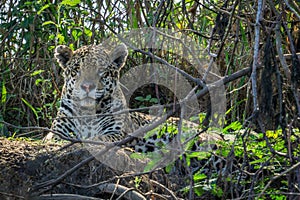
(254, 44)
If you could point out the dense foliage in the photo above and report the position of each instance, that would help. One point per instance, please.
(240, 35)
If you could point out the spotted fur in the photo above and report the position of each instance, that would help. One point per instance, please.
(91, 96)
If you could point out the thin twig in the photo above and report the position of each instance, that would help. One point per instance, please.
(164, 188)
(292, 9)
(276, 177)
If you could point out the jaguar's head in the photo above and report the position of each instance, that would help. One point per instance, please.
(91, 73)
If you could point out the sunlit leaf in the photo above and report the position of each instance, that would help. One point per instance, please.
(137, 156)
(61, 38)
(43, 8)
(70, 2)
(88, 32)
(273, 134)
(199, 176)
(48, 22)
(75, 35)
(37, 72)
(37, 81)
(4, 93)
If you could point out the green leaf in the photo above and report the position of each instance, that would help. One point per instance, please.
(199, 191)
(139, 98)
(48, 22)
(169, 167)
(37, 81)
(262, 160)
(199, 177)
(75, 35)
(273, 134)
(154, 100)
(37, 72)
(4, 93)
(43, 8)
(70, 2)
(28, 3)
(148, 97)
(150, 165)
(199, 155)
(234, 126)
(137, 156)
(72, 47)
(61, 39)
(31, 107)
(88, 32)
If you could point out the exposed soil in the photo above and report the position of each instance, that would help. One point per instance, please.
(26, 167)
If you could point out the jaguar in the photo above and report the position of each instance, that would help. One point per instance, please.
(92, 102)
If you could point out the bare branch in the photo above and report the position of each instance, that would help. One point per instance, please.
(256, 56)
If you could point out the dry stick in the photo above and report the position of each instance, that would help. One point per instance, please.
(281, 111)
(65, 197)
(154, 195)
(225, 79)
(236, 41)
(228, 27)
(196, 33)
(125, 175)
(294, 56)
(276, 177)
(292, 9)
(115, 188)
(229, 13)
(255, 56)
(121, 191)
(13, 196)
(133, 195)
(280, 52)
(165, 188)
(279, 49)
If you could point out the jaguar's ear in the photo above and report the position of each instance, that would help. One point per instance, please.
(118, 55)
(63, 54)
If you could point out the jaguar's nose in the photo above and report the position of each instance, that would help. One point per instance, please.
(88, 86)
